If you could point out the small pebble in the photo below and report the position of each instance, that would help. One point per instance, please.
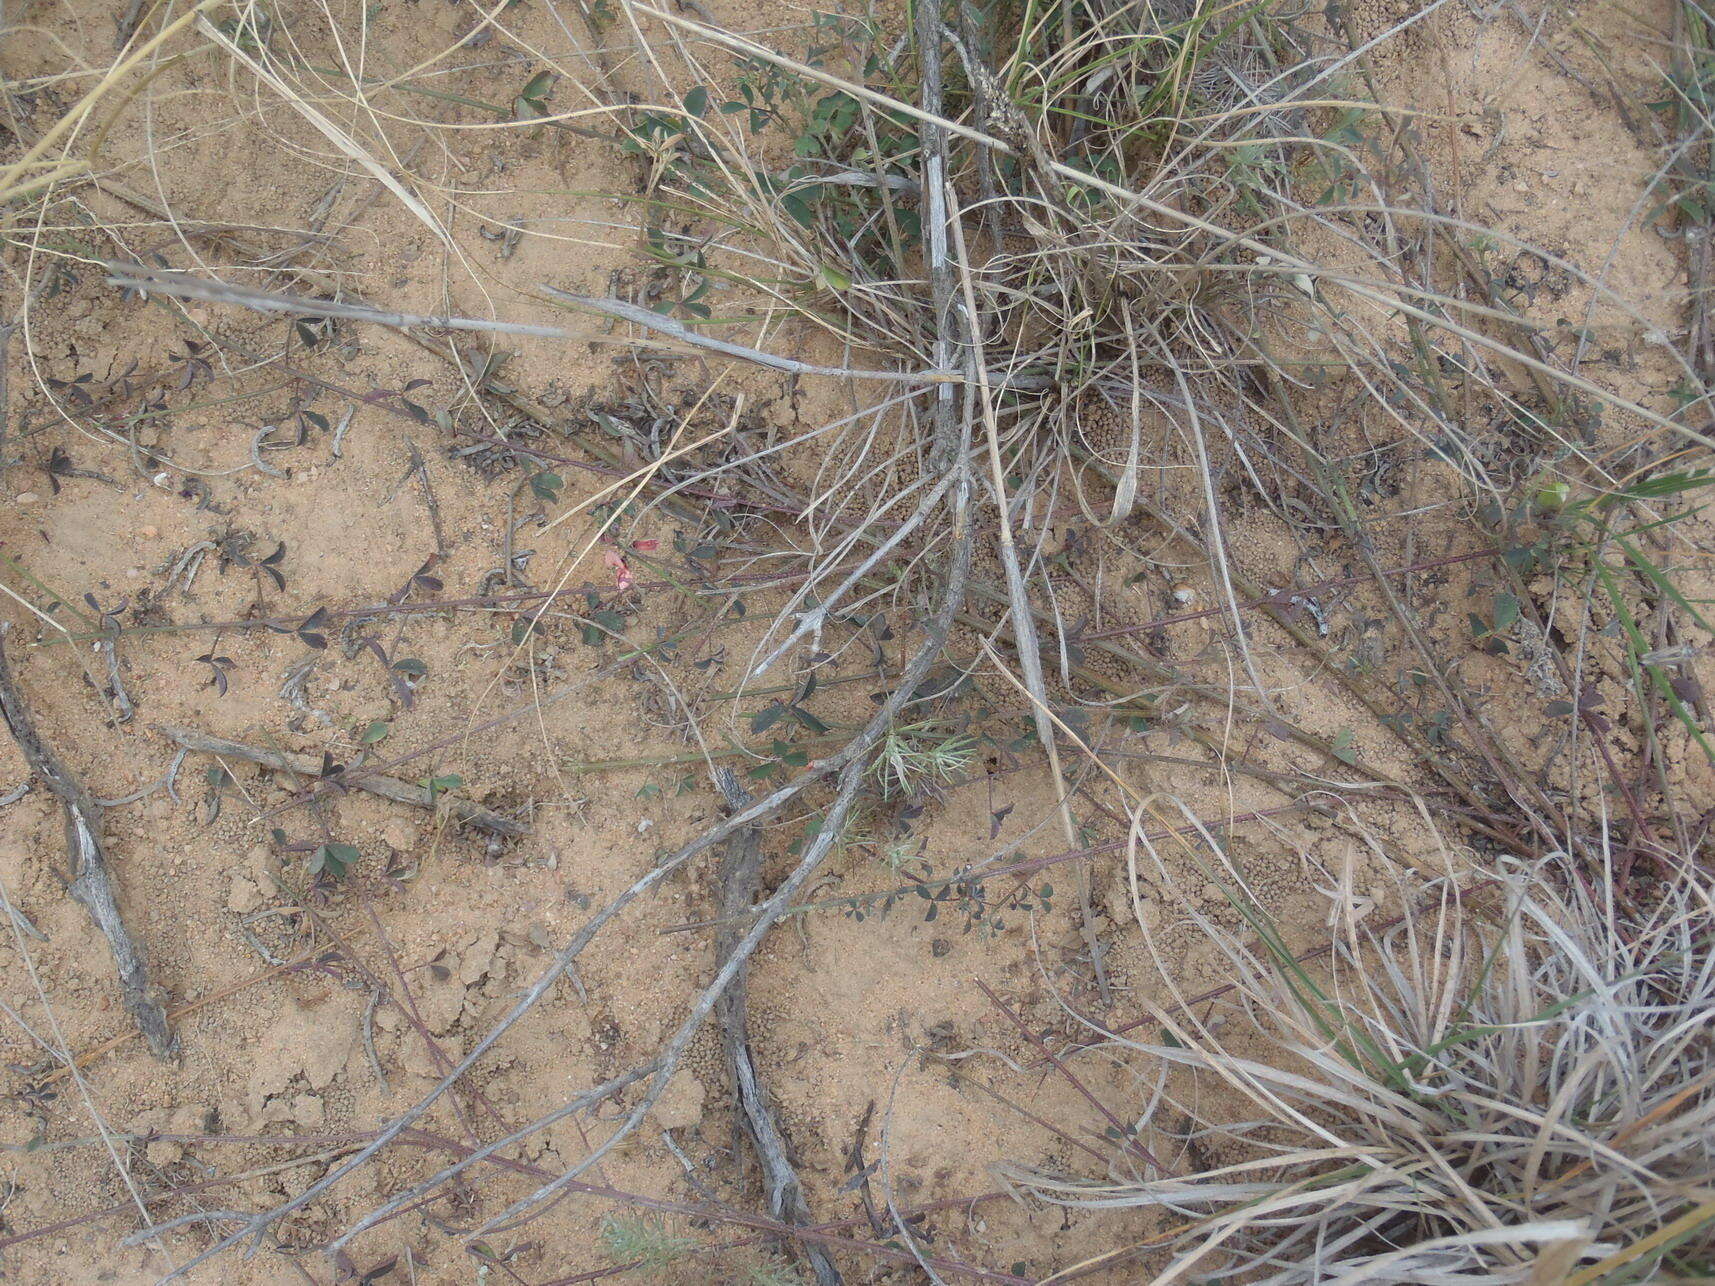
(26, 498)
(149, 533)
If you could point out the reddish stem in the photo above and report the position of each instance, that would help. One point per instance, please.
(1122, 1131)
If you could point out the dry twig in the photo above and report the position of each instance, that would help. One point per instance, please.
(91, 883)
(400, 792)
(740, 873)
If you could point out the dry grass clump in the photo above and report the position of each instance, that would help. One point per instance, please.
(1511, 1084)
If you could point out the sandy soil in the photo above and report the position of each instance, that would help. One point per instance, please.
(307, 1018)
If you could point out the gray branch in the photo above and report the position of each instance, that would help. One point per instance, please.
(400, 792)
(91, 884)
(740, 874)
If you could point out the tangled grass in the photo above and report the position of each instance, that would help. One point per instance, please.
(1509, 1084)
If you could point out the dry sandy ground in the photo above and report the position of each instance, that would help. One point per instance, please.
(305, 1019)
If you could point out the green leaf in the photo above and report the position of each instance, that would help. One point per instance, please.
(809, 720)
(333, 860)
(602, 625)
(1506, 611)
(546, 486)
(435, 785)
(1519, 558)
(536, 88)
(412, 666)
(1342, 747)
(1661, 581)
(697, 101)
(1668, 484)
(834, 279)
(375, 732)
(1638, 648)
